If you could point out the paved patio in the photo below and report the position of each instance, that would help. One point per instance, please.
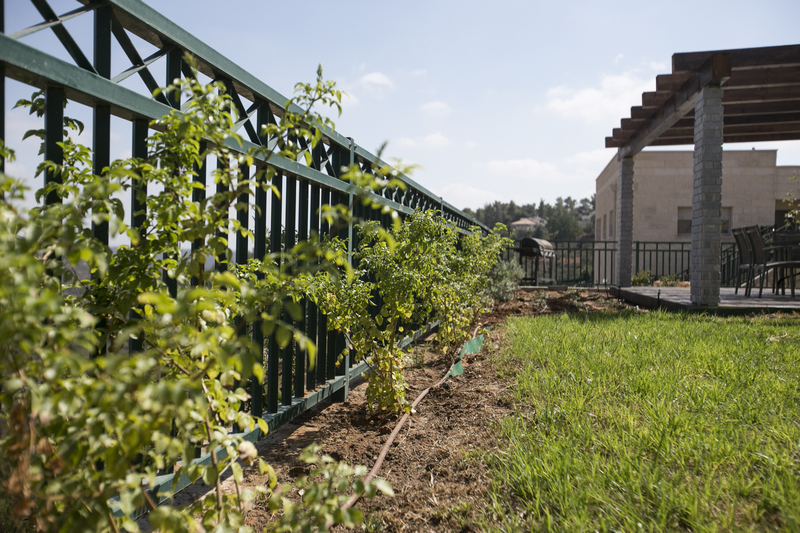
(678, 298)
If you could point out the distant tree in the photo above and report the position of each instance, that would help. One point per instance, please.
(563, 225)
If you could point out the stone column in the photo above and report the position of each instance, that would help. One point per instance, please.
(707, 197)
(625, 222)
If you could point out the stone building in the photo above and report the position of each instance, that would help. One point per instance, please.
(753, 192)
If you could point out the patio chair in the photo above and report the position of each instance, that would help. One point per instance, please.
(759, 258)
(786, 259)
(745, 260)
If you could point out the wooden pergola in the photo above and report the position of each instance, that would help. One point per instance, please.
(753, 92)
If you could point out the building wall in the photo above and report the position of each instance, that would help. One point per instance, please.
(753, 188)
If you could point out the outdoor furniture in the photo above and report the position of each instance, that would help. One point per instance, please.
(759, 258)
(536, 248)
(785, 251)
(745, 260)
(782, 258)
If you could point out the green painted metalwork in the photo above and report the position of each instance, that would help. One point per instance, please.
(53, 135)
(138, 203)
(290, 213)
(273, 356)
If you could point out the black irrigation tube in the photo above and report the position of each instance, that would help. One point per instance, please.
(385, 450)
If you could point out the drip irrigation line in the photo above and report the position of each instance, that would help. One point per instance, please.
(374, 472)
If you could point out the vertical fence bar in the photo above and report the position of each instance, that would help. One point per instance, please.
(198, 195)
(138, 201)
(101, 126)
(223, 166)
(53, 134)
(313, 311)
(290, 206)
(273, 357)
(174, 98)
(302, 236)
(259, 252)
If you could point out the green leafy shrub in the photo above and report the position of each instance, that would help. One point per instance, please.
(644, 278)
(322, 493)
(505, 278)
(423, 272)
(110, 380)
(671, 280)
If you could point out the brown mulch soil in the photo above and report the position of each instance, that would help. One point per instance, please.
(434, 466)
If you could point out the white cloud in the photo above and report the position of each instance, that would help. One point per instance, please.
(418, 73)
(375, 80)
(611, 100)
(435, 108)
(601, 156)
(349, 100)
(522, 168)
(471, 144)
(436, 140)
(462, 195)
(406, 142)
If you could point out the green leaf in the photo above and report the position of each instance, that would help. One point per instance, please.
(238, 475)
(383, 486)
(294, 309)
(210, 475)
(258, 372)
(262, 425)
(283, 336)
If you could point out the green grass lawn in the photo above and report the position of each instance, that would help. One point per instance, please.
(650, 422)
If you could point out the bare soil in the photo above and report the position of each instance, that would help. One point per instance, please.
(435, 465)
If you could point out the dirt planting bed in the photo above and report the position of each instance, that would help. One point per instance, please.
(435, 465)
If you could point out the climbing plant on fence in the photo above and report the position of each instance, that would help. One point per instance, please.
(107, 381)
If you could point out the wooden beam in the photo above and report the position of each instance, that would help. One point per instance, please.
(754, 137)
(742, 58)
(762, 94)
(764, 77)
(761, 108)
(715, 71)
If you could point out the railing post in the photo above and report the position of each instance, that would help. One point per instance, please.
(53, 134)
(290, 352)
(273, 356)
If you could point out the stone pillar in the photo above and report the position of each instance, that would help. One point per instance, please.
(707, 197)
(625, 222)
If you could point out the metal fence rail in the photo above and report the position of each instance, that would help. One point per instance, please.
(305, 186)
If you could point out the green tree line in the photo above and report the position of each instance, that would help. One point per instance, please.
(565, 218)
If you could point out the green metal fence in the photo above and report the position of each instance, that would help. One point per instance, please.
(306, 183)
(592, 263)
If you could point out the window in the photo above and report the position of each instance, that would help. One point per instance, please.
(612, 223)
(685, 220)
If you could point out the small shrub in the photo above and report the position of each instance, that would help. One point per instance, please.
(504, 280)
(670, 281)
(644, 278)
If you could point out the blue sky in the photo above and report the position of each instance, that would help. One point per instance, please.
(504, 101)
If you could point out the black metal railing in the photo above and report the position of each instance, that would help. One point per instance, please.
(592, 263)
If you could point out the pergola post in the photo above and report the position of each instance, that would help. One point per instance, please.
(707, 197)
(625, 222)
